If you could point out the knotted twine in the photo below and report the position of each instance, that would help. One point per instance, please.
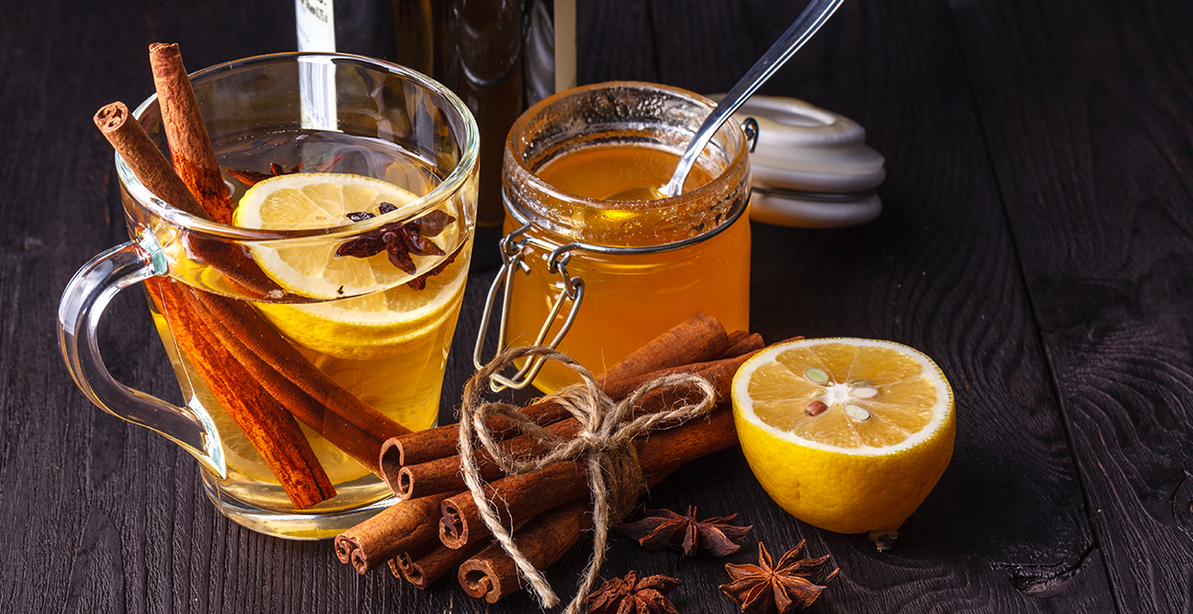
(603, 444)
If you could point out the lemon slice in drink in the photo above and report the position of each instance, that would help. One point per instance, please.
(848, 435)
(301, 201)
(381, 312)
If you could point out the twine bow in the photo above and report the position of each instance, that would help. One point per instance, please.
(603, 443)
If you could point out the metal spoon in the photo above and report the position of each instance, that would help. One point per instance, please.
(815, 15)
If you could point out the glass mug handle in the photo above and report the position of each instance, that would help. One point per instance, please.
(83, 302)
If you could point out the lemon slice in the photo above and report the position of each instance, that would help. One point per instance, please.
(848, 435)
(301, 201)
(373, 313)
(377, 325)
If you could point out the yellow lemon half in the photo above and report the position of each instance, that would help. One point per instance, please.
(849, 435)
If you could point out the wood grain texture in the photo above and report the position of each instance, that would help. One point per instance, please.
(1035, 241)
(1096, 148)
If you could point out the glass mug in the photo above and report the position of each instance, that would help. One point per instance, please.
(597, 277)
(341, 323)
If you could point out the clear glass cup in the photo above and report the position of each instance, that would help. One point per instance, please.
(379, 337)
(598, 277)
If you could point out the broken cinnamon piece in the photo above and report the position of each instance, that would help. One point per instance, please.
(429, 568)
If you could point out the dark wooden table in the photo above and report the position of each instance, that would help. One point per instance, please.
(1036, 240)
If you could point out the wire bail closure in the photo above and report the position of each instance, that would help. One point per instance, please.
(513, 252)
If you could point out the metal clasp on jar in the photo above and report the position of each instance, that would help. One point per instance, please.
(513, 251)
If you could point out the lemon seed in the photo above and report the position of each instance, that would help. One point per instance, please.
(864, 393)
(857, 412)
(817, 375)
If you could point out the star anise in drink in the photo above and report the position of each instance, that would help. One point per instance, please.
(667, 529)
(400, 240)
(767, 588)
(629, 595)
(251, 177)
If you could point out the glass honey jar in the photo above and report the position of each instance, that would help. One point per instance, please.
(598, 276)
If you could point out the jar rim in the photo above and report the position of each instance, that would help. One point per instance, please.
(526, 194)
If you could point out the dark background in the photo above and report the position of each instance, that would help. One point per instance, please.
(1035, 241)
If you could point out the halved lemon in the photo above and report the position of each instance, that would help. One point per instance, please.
(371, 312)
(848, 435)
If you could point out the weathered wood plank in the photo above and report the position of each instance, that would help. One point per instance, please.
(1086, 108)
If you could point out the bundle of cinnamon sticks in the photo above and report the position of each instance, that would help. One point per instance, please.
(262, 381)
(435, 527)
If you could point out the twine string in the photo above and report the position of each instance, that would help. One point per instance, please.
(603, 444)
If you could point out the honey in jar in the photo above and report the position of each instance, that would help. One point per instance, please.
(623, 271)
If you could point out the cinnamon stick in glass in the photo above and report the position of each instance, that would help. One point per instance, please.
(154, 171)
(363, 446)
(190, 145)
(266, 424)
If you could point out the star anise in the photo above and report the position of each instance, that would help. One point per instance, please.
(398, 239)
(251, 177)
(665, 528)
(629, 595)
(782, 588)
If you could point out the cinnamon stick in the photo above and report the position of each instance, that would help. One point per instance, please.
(151, 168)
(268, 426)
(361, 445)
(262, 339)
(698, 338)
(190, 145)
(443, 474)
(518, 497)
(406, 526)
(491, 574)
(743, 344)
(427, 569)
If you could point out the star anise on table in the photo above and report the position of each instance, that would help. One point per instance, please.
(783, 588)
(667, 529)
(400, 240)
(251, 177)
(629, 595)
